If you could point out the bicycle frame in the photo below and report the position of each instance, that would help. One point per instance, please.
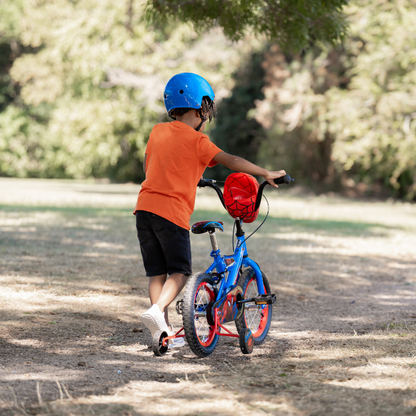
(232, 264)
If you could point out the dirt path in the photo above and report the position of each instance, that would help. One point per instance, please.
(72, 287)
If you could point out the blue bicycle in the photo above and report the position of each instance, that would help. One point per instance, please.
(233, 288)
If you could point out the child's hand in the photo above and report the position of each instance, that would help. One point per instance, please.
(274, 175)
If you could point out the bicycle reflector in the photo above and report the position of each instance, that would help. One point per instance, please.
(240, 193)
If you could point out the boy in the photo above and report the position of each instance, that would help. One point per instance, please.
(176, 156)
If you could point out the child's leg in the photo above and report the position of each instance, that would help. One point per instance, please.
(155, 289)
(171, 289)
(163, 292)
(166, 250)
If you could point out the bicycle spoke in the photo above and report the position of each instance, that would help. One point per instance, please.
(253, 316)
(201, 302)
(256, 318)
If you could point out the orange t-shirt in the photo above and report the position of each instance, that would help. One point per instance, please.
(177, 156)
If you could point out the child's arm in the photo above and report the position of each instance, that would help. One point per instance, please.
(239, 164)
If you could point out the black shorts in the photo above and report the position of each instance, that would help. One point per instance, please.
(165, 247)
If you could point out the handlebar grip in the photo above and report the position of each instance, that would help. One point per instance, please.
(283, 180)
(201, 183)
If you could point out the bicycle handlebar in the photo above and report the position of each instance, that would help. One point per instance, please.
(283, 180)
(212, 184)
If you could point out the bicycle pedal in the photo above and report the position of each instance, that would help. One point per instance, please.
(267, 299)
(179, 307)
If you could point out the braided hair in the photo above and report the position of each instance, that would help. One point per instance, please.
(207, 111)
(208, 108)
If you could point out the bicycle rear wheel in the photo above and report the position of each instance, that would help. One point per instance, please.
(256, 318)
(198, 298)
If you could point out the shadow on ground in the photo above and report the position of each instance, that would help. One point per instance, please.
(56, 265)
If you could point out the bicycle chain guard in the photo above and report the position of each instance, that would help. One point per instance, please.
(228, 307)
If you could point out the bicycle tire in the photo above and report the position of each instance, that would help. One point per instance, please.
(200, 335)
(157, 344)
(246, 341)
(257, 320)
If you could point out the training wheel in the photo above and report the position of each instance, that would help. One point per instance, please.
(246, 341)
(158, 348)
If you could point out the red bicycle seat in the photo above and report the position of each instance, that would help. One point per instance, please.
(240, 193)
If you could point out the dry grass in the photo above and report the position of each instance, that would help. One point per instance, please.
(342, 339)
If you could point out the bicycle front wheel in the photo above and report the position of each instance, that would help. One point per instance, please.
(257, 318)
(198, 299)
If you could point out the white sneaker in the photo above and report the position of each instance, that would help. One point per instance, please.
(154, 319)
(176, 342)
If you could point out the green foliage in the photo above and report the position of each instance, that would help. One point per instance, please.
(236, 131)
(7, 92)
(292, 110)
(9, 49)
(348, 114)
(22, 152)
(293, 25)
(99, 71)
(81, 86)
(376, 137)
(10, 12)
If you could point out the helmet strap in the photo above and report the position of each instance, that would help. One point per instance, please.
(200, 125)
(203, 120)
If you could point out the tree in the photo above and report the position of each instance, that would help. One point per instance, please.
(21, 126)
(348, 113)
(376, 137)
(97, 78)
(291, 24)
(236, 130)
(292, 111)
(9, 49)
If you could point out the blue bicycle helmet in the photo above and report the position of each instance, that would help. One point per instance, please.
(186, 90)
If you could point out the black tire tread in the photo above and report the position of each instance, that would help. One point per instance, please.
(188, 315)
(157, 349)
